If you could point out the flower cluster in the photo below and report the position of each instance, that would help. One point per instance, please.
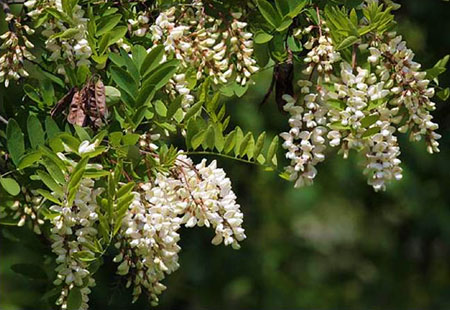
(215, 47)
(64, 43)
(394, 61)
(29, 210)
(140, 25)
(360, 109)
(305, 141)
(322, 54)
(72, 233)
(188, 195)
(14, 50)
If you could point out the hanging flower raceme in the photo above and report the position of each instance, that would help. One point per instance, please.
(189, 195)
(215, 47)
(73, 234)
(360, 109)
(14, 50)
(67, 42)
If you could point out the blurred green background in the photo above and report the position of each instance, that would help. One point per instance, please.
(336, 245)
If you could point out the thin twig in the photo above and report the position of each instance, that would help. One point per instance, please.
(319, 21)
(354, 56)
(3, 120)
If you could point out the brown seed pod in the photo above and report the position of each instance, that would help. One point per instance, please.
(100, 98)
(63, 102)
(76, 112)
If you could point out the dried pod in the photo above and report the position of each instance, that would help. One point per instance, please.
(63, 102)
(77, 115)
(87, 106)
(100, 98)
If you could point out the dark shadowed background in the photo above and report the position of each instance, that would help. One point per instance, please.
(336, 245)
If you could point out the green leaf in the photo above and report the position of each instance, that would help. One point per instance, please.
(107, 24)
(193, 110)
(238, 138)
(124, 80)
(123, 203)
(112, 95)
(82, 133)
(51, 128)
(296, 6)
(75, 179)
(230, 142)
(210, 137)
(339, 126)
(30, 271)
(15, 141)
(219, 139)
(74, 300)
(130, 65)
(69, 33)
(259, 145)
(126, 189)
(50, 183)
(444, 94)
(31, 92)
(174, 107)
(83, 72)
(70, 141)
(269, 13)
(349, 41)
(271, 152)
(285, 23)
(161, 76)
(213, 104)
(139, 53)
(94, 173)
(48, 153)
(29, 160)
(54, 170)
(145, 95)
(294, 44)
(369, 120)
(282, 6)
(244, 144)
(370, 132)
(337, 104)
(160, 108)
(152, 60)
(10, 185)
(47, 195)
(262, 37)
(375, 104)
(85, 256)
(197, 139)
(116, 34)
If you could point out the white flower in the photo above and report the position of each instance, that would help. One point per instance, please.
(87, 147)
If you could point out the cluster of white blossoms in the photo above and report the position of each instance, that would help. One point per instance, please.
(14, 50)
(305, 141)
(72, 234)
(140, 25)
(72, 47)
(360, 109)
(29, 210)
(322, 54)
(214, 47)
(178, 85)
(411, 89)
(189, 195)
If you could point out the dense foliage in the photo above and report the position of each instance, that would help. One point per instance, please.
(111, 99)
